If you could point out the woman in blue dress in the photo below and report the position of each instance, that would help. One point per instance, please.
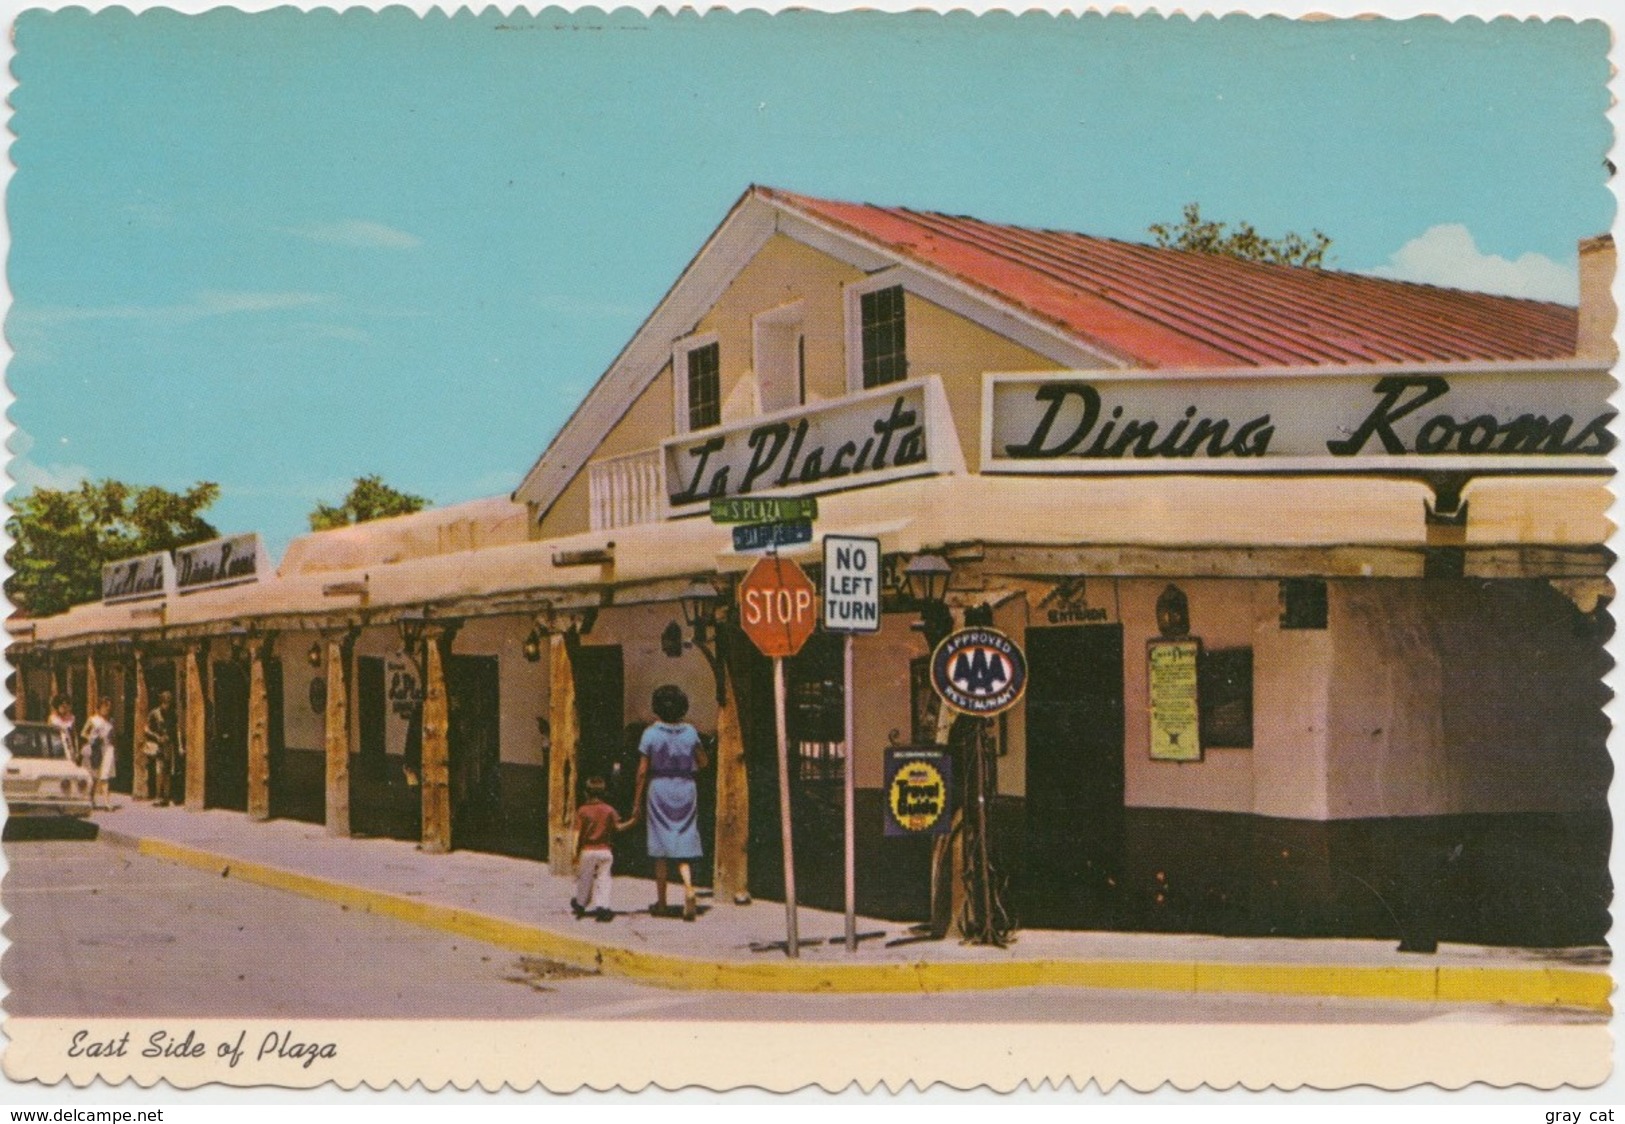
(672, 755)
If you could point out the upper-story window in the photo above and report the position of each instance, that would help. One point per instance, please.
(697, 365)
(885, 343)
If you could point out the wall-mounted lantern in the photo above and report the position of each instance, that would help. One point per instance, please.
(1173, 613)
(532, 646)
(927, 577)
(704, 611)
(314, 656)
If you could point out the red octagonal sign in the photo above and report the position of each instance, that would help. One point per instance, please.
(778, 606)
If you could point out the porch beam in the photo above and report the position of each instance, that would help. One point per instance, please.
(565, 724)
(732, 865)
(336, 729)
(140, 763)
(259, 738)
(196, 727)
(436, 747)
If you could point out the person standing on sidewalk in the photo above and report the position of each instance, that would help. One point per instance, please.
(668, 797)
(158, 747)
(66, 726)
(596, 826)
(98, 738)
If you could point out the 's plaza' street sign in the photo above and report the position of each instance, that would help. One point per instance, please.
(778, 606)
(851, 584)
(784, 509)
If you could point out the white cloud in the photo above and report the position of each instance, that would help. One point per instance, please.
(1448, 255)
(209, 302)
(60, 477)
(358, 233)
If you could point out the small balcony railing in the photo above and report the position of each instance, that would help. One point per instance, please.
(626, 490)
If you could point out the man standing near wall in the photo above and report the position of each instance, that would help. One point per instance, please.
(158, 748)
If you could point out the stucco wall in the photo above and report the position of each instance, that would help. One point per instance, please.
(637, 630)
(302, 728)
(1458, 697)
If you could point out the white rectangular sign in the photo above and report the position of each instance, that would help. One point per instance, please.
(904, 429)
(1532, 418)
(240, 558)
(851, 584)
(150, 575)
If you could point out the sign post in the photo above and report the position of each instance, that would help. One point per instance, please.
(851, 605)
(778, 611)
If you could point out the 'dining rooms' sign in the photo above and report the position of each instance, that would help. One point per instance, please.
(1550, 417)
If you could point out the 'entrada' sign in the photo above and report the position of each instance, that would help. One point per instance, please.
(1552, 416)
(894, 431)
(219, 562)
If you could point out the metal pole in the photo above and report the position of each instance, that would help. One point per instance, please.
(849, 768)
(792, 943)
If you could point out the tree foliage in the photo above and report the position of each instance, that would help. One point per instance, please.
(62, 538)
(370, 498)
(1242, 241)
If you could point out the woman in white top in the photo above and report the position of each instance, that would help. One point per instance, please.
(98, 738)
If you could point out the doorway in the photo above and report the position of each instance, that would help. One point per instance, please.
(225, 775)
(1074, 867)
(473, 742)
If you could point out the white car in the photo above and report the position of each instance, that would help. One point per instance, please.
(40, 780)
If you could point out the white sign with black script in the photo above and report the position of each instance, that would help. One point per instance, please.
(130, 579)
(1532, 417)
(240, 558)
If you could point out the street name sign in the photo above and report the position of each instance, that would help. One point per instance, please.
(762, 536)
(782, 509)
(778, 607)
(851, 584)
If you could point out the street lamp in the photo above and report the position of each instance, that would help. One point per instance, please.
(927, 578)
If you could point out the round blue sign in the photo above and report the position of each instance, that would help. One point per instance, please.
(979, 671)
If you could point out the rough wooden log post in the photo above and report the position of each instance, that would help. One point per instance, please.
(337, 742)
(93, 689)
(196, 737)
(19, 694)
(436, 748)
(733, 803)
(139, 761)
(259, 738)
(561, 761)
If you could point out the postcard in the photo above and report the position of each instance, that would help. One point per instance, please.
(605, 549)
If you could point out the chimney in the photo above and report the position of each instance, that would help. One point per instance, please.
(1597, 311)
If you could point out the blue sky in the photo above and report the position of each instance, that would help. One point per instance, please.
(281, 250)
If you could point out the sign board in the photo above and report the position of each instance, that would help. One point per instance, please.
(895, 431)
(150, 575)
(979, 671)
(778, 607)
(851, 584)
(919, 791)
(782, 509)
(1550, 417)
(219, 562)
(1175, 713)
(762, 536)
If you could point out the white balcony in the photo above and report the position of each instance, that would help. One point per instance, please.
(626, 490)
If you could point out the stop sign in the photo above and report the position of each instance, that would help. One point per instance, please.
(778, 606)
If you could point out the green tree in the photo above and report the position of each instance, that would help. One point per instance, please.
(1207, 237)
(369, 499)
(61, 538)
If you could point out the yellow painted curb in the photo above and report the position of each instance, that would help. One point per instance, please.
(1560, 987)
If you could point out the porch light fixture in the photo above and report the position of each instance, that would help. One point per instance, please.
(239, 638)
(702, 607)
(412, 626)
(532, 646)
(314, 656)
(927, 579)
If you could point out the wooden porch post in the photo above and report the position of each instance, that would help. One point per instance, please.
(733, 802)
(259, 737)
(93, 689)
(338, 737)
(561, 758)
(19, 697)
(196, 738)
(436, 750)
(138, 734)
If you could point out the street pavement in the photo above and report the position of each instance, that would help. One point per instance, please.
(103, 931)
(517, 906)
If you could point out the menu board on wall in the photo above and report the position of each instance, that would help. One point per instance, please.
(1175, 713)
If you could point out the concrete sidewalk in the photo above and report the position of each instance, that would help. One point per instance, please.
(518, 904)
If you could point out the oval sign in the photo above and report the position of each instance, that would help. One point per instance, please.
(979, 671)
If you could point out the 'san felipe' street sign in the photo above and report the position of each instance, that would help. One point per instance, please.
(778, 606)
(851, 584)
(764, 536)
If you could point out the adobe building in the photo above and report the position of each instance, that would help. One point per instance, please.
(1374, 511)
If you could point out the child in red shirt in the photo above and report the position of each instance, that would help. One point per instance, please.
(596, 825)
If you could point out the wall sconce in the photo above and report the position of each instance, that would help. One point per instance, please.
(314, 656)
(703, 609)
(927, 578)
(532, 646)
(1173, 613)
(239, 639)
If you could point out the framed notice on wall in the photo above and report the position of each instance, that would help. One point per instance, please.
(1176, 718)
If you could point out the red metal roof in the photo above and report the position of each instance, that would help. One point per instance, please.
(1173, 308)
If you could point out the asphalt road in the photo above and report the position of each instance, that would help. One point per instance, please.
(97, 930)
